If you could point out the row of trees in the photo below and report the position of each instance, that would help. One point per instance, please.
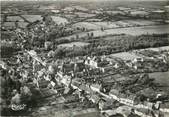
(101, 47)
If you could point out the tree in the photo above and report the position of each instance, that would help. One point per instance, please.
(60, 53)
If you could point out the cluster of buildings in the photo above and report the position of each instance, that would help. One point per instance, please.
(108, 81)
(96, 89)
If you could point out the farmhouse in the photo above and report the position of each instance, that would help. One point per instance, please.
(91, 62)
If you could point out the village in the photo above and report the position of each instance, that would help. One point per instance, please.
(75, 61)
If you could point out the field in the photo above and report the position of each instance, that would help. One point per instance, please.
(164, 48)
(70, 45)
(127, 23)
(14, 18)
(106, 24)
(161, 77)
(8, 24)
(59, 20)
(117, 24)
(160, 29)
(135, 31)
(84, 15)
(140, 22)
(86, 25)
(125, 56)
(32, 18)
(22, 24)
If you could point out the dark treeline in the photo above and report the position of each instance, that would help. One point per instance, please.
(119, 44)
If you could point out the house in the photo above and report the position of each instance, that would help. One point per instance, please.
(128, 99)
(3, 65)
(137, 66)
(111, 113)
(69, 67)
(86, 88)
(79, 66)
(142, 112)
(116, 65)
(66, 80)
(71, 98)
(76, 82)
(139, 59)
(91, 62)
(95, 87)
(164, 107)
(129, 63)
(105, 104)
(48, 45)
(114, 93)
(95, 98)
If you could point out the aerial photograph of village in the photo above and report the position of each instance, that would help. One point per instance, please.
(84, 58)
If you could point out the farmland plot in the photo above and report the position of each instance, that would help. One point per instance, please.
(14, 18)
(105, 24)
(135, 31)
(123, 24)
(160, 77)
(32, 18)
(59, 20)
(86, 25)
(22, 24)
(125, 55)
(70, 45)
(84, 15)
(140, 22)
